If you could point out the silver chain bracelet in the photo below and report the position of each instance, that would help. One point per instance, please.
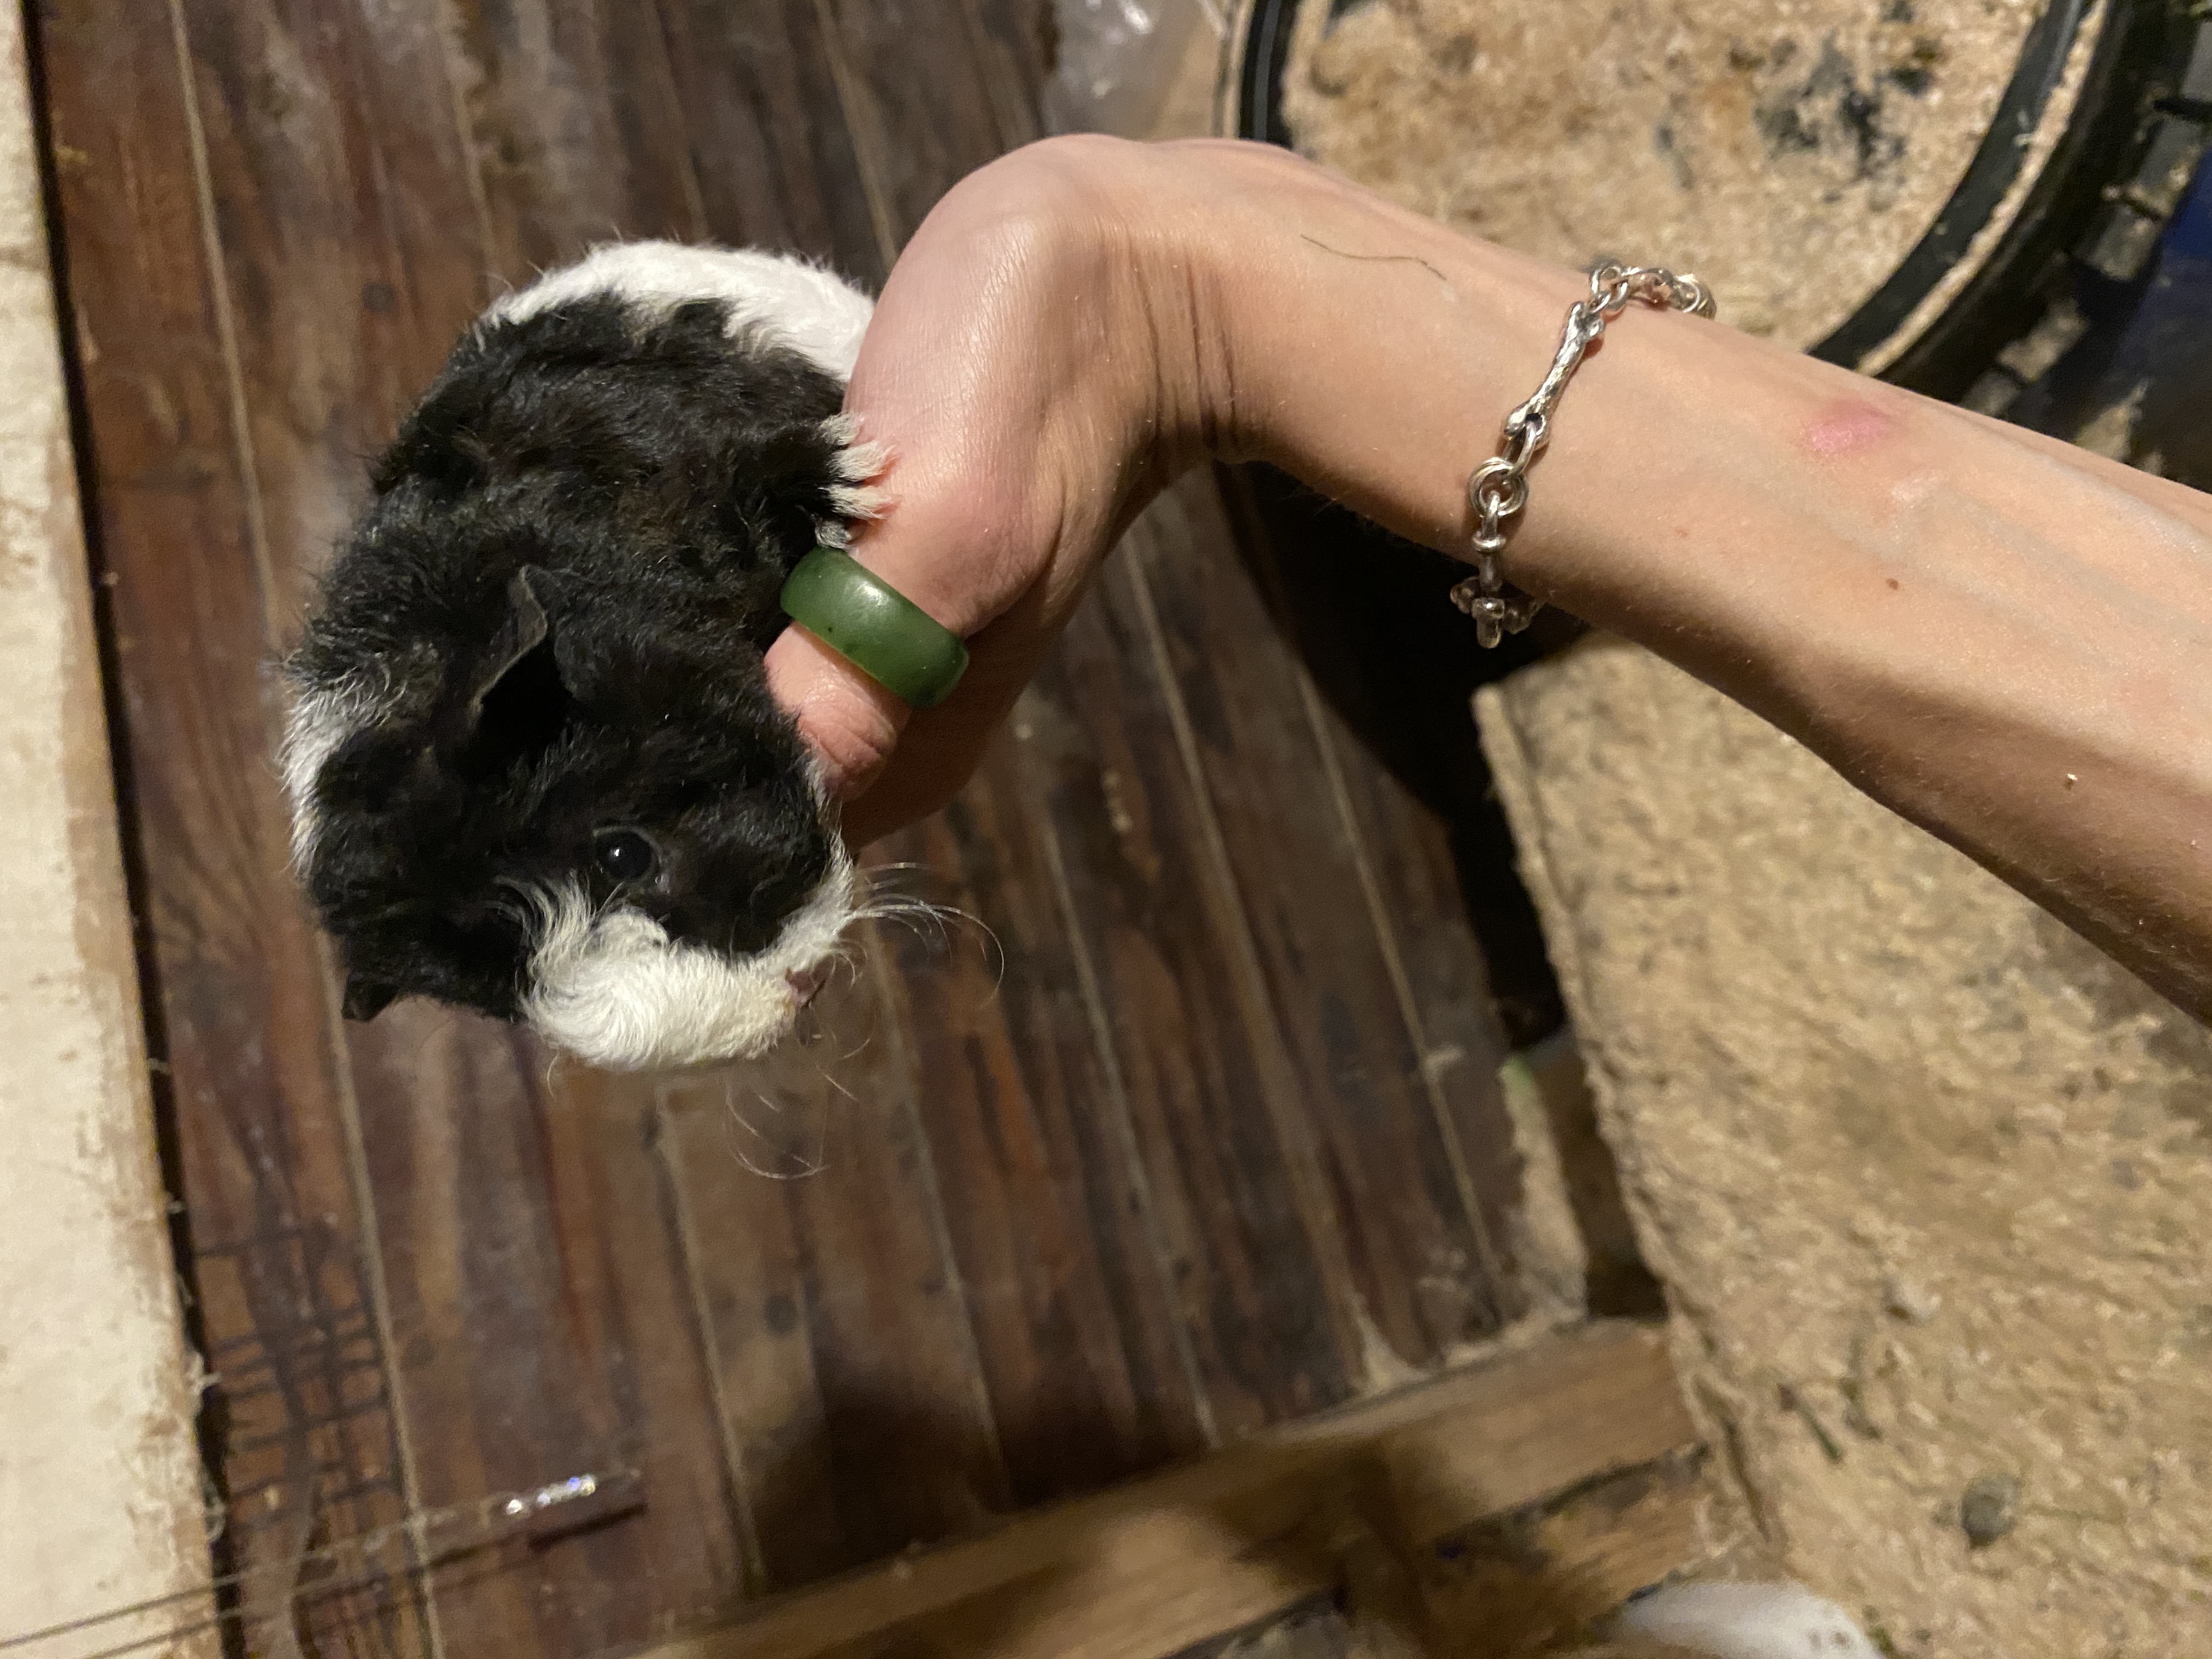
(1498, 488)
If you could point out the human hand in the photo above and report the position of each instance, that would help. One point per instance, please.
(1051, 350)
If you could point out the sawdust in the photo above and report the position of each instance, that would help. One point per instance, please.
(2036, 150)
(1925, 1174)
(1791, 152)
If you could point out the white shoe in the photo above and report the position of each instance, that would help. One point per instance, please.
(1748, 1621)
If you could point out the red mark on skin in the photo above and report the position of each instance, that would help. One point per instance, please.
(1846, 427)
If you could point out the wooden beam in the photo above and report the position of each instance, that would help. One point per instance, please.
(1237, 1537)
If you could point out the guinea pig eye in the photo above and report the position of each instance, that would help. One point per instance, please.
(623, 855)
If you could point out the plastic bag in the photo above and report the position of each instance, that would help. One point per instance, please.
(1142, 68)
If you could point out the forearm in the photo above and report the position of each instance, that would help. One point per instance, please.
(2005, 639)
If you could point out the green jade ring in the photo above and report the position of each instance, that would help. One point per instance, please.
(873, 626)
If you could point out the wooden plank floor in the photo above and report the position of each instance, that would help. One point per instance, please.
(1495, 1509)
(1206, 1136)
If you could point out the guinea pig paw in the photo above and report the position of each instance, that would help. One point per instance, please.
(855, 496)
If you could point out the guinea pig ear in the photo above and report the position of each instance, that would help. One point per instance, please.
(521, 631)
(365, 998)
(520, 704)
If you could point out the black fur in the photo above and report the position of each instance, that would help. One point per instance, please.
(567, 579)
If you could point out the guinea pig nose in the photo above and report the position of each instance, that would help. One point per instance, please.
(804, 983)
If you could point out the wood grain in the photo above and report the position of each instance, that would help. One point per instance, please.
(1271, 1329)
(544, 1331)
(1371, 619)
(1392, 666)
(1332, 1223)
(852, 1405)
(1151, 1569)
(1079, 1328)
(573, 127)
(1325, 914)
(767, 140)
(1535, 1578)
(922, 110)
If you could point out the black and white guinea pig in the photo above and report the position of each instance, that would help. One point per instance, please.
(533, 764)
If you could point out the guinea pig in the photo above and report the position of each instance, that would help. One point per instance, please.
(533, 765)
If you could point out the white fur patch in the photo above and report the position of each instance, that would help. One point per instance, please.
(815, 311)
(613, 989)
(322, 718)
(1748, 1621)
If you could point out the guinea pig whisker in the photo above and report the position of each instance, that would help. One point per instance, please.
(825, 1010)
(834, 1084)
(914, 914)
(736, 1117)
(905, 910)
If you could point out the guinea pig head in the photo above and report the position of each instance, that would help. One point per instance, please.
(579, 808)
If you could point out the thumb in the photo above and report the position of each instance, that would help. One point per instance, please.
(851, 723)
(944, 537)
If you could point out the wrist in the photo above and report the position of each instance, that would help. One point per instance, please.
(1376, 352)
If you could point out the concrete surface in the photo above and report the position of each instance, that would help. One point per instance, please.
(1926, 1176)
(100, 1496)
